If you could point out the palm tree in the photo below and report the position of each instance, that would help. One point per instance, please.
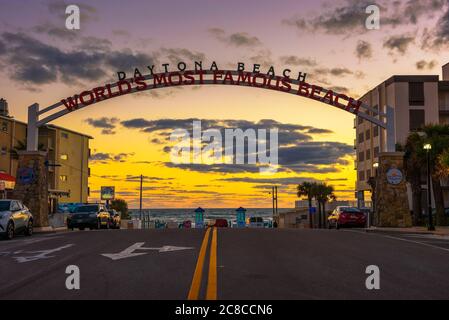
(443, 164)
(308, 190)
(413, 173)
(438, 137)
(325, 193)
(415, 159)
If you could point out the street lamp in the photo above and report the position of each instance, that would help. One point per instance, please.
(373, 192)
(431, 227)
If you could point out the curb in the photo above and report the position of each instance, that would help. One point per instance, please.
(46, 230)
(436, 233)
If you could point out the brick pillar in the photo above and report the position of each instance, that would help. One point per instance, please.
(392, 209)
(32, 185)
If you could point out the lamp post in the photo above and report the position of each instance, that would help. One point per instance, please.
(373, 187)
(431, 227)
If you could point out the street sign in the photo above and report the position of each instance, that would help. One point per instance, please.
(107, 193)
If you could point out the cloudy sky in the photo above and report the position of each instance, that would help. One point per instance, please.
(41, 61)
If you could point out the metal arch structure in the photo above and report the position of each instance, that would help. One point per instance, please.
(38, 118)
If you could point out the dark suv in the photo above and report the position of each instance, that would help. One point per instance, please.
(92, 216)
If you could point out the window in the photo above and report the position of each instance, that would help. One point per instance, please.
(368, 134)
(376, 113)
(4, 151)
(368, 154)
(88, 172)
(361, 137)
(368, 174)
(362, 175)
(361, 156)
(376, 152)
(416, 93)
(417, 119)
(63, 178)
(4, 126)
(64, 135)
(376, 131)
(15, 206)
(64, 157)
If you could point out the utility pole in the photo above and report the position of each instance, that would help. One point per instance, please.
(430, 227)
(276, 198)
(141, 188)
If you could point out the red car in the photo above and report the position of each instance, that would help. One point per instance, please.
(221, 223)
(346, 217)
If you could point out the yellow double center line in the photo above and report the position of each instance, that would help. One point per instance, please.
(211, 292)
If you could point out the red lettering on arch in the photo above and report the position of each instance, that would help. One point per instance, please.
(71, 103)
(175, 74)
(328, 98)
(120, 87)
(303, 89)
(354, 104)
(91, 97)
(257, 84)
(273, 87)
(316, 90)
(228, 78)
(99, 93)
(338, 97)
(244, 76)
(158, 78)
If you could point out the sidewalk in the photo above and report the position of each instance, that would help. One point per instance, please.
(440, 231)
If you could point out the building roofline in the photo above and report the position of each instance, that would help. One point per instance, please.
(411, 78)
(50, 126)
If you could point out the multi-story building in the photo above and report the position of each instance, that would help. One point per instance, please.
(416, 100)
(67, 156)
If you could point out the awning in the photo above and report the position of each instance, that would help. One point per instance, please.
(7, 181)
(7, 177)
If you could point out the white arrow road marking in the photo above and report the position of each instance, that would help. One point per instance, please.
(129, 252)
(38, 255)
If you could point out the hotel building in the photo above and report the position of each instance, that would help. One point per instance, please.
(67, 157)
(417, 101)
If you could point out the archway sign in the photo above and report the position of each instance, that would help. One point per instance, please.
(211, 76)
(35, 193)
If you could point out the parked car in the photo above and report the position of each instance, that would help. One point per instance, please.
(92, 216)
(221, 223)
(255, 222)
(346, 217)
(15, 218)
(115, 219)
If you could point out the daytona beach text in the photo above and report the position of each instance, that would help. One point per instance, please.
(199, 76)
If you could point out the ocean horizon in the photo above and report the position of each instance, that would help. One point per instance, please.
(182, 214)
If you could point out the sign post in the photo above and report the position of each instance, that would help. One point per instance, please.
(107, 194)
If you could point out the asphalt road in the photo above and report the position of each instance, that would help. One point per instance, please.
(225, 264)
